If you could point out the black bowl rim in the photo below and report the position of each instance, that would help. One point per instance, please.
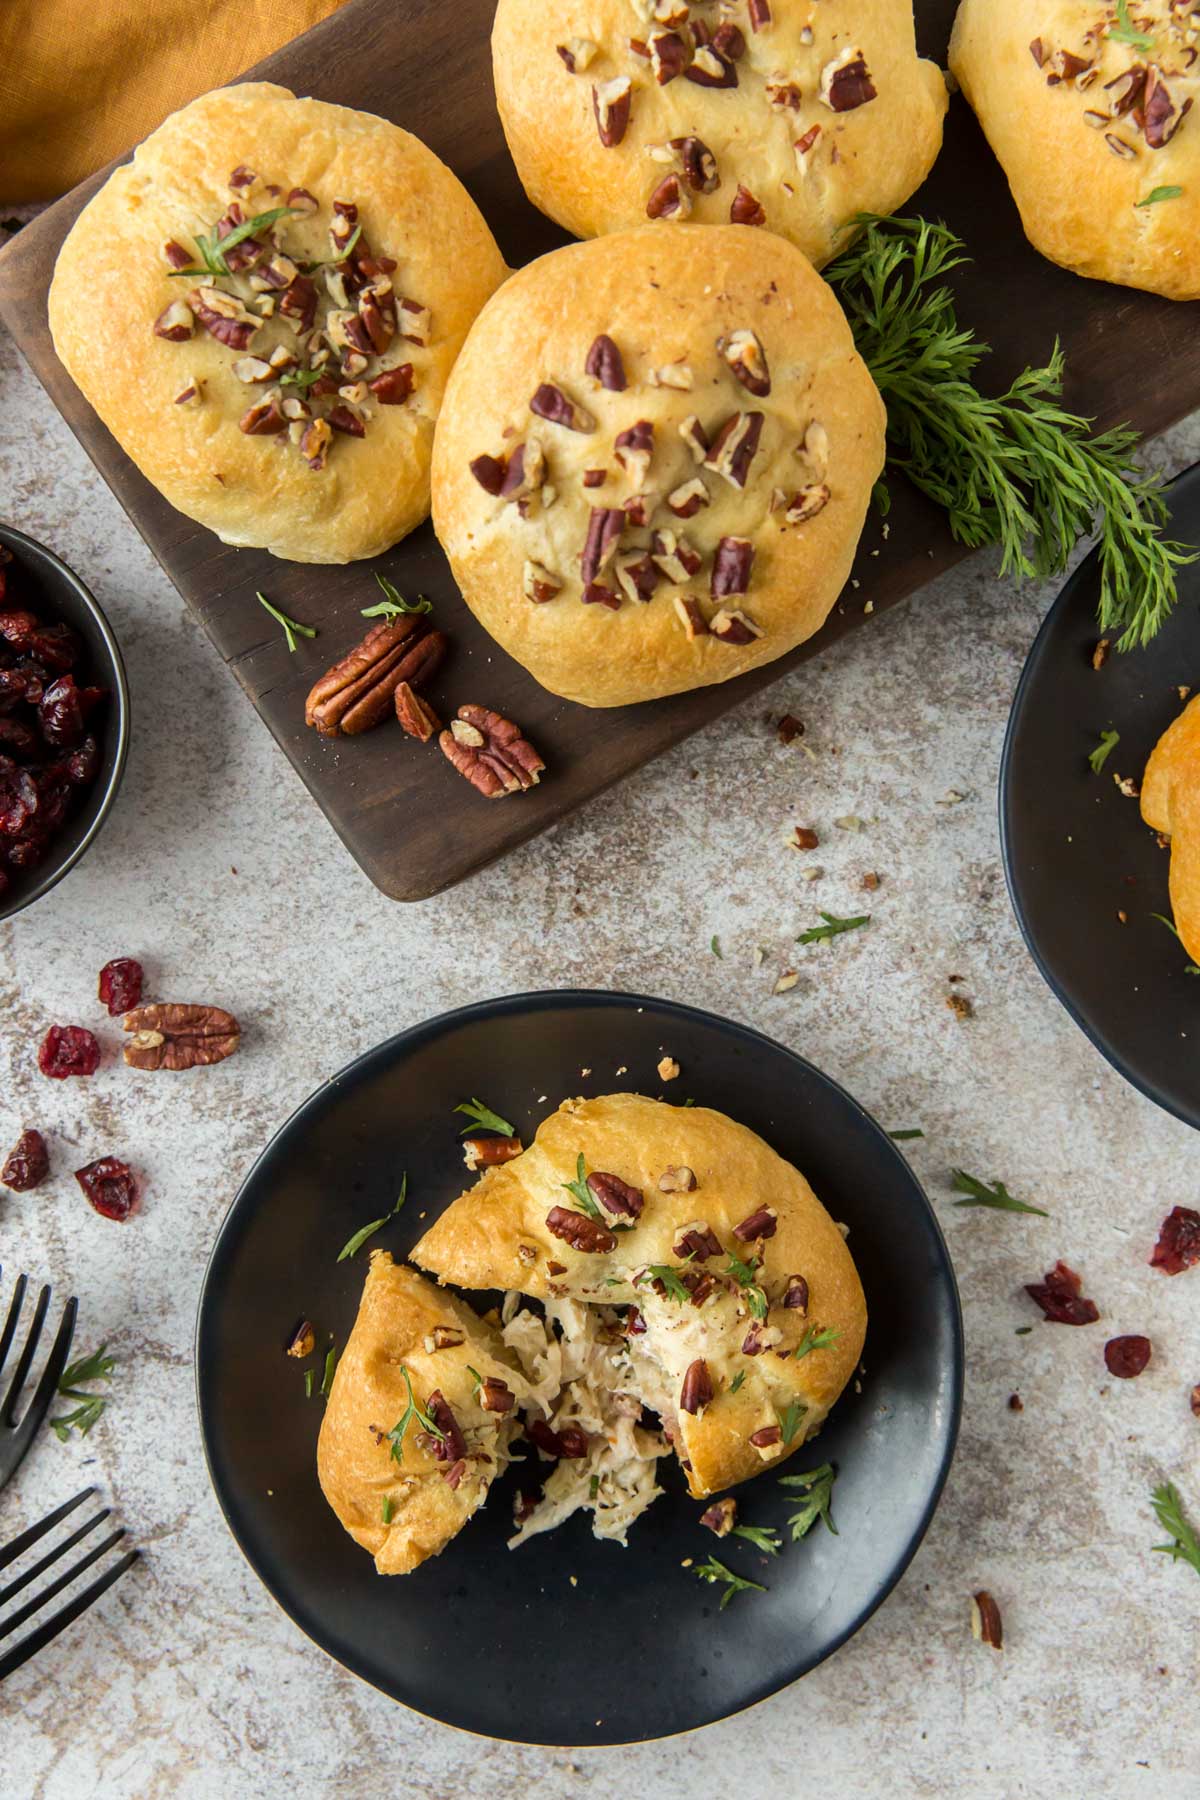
(544, 998)
(53, 872)
(1082, 577)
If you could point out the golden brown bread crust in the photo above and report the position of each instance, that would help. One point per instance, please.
(398, 1312)
(112, 281)
(1079, 152)
(496, 1235)
(867, 157)
(1171, 804)
(667, 300)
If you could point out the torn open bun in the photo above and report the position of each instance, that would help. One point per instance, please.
(726, 1262)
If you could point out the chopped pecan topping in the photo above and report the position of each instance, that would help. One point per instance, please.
(615, 1196)
(634, 450)
(611, 101)
(746, 209)
(448, 1337)
(596, 594)
(697, 1240)
(253, 368)
(784, 93)
(760, 1338)
(760, 14)
(845, 83)
(551, 404)
(301, 201)
(795, 1295)
(525, 472)
(1162, 117)
(176, 255)
(179, 1037)
(1038, 51)
(814, 451)
(1119, 147)
(677, 1179)
(359, 690)
(263, 419)
(490, 752)
(594, 478)
(699, 164)
(687, 500)
(668, 56)
(985, 1620)
(803, 145)
(489, 1152)
(451, 1446)
(342, 419)
(695, 437)
(582, 1232)
(766, 1437)
(314, 444)
(176, 322)
(577, 53)
(708, 68)
(391, 387)
(489, 472)
(697, 1390)
(721, 1516)
(417, 718)
(803, 837)
(673, 375)
(669, 200)
(298, 304)
(727, 41)
(637, 575)
(495, 1396)
(603, 536)
(672, 553)
(735, 446)
(806, 504)
(414, 322)
(746, 357)
(761, 1223)
(223, 317)
(302, 1342)
(731, 568)
(538, 584)
(606, 365)
(690, 616)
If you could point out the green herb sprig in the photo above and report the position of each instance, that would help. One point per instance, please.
(763, 1537)
(670, 1278)
(744, 1274)
(212, 250)
(715, 1571)
(1189, 968)
(579, 1189)
(290, 626)
(791, 1419)
(331, 1362)
(482, 1117)
(414, 1410)
(902, 1137)
(816, 1338)
(817, 1489)
(1104, 749)
(833, 927)
(1159, 193)
(997, 1197)
(355, 1244)
(395, 606)
(1168, 1510)
(96, 1367)
(1018, 469)
(386, 1509)
(1125, 31)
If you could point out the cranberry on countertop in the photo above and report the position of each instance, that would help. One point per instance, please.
(1060, 1296)
(110, 1187)
(68, 1050)
(1178, 1245)
(1126, 1357)
(121, 985)
(28, 1163)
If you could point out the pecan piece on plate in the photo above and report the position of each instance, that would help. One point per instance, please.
(416, 715)
(582, 1232)
(357, 692)
(490, 752)
(721, 1516)
(179, 1037)
(487, 1152)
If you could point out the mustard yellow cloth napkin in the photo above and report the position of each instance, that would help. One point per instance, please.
(82, 81)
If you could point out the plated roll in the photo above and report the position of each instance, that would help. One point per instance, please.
(1171, 805)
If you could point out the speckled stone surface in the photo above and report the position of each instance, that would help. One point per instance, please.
(219, 872)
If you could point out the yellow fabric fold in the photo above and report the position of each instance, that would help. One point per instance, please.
(82, 81)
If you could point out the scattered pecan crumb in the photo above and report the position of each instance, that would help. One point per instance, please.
(1100, 653)
(721, 1516)
(804, 838)
(789, 729)
(1015, 1403)
(985, 1620)
(1194, 1400)
(668, 1069)
(960, 1006)
(871, 881)
(303, 1340)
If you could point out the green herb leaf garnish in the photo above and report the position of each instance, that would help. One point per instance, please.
(483, 1116)
(1125, 32)
(96, 1367)
(301, 378)
(360, 1237)
(737, 1381)
(593, 1487)
(290, 627)
(790, 1420)
(331, 1357)
(902, 1137)
(579, 1188)
(997, 1197)
(1160, 193)
(1104, 749)
(211, 250)
(817, 1488)
(1168, 1509)
(1189, 968)
(816, 1338)
(743, 1274)
(715, 1571)
(833, 927)
(670, 1279)
(395, 606)
(414, 1410)
(309, 1378)
(386, 1509)
(763, 1537)
(1017, 470)
(714, 945)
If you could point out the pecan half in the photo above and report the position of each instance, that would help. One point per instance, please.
(490, 752)
(746, 357)
(179, 1037)
(416, 715)
(697, 1390)
(638, 576)
(611, 101)
(358, 691)
(614, 1195)
(583, 1233)
(606, 365)
(488, 1152)
(846, 83)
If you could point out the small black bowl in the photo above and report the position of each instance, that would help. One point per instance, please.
(38, 581)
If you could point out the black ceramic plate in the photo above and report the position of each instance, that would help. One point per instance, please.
(568, 1640)
(1076, 852)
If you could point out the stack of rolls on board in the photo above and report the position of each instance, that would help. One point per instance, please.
(1089, 109)
(1170, 802)
(264, 306)
(796, 115)
(679, 1264)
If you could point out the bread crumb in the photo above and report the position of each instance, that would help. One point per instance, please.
(668, 1069)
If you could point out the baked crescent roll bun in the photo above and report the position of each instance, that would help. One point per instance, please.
(1171, 805)
(1089, 118)
(784, 113)
(411, 1441)
(726, 1259)
(654, 460)
(278, 384)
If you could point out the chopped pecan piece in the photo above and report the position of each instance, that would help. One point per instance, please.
(795, 1295)
(264, 419)
(603, 536)
(577, 53)
(697, 1390)
(761, 1223)
(524, 474)
(1126, 90)
(538, 584)
(727, 41)
(708, 68)
(301, 201)
(342, 419)
(721, 1516)
(1162, 117)
(489, 1152)
(731, 568)
(179, 1037)
(391, 387)
(611, 101)
(760, 1338)
(634, 450)
(687, 500)
(735, 446)
(766, 1437)
(807, 503)
(668, 56)
(417, 717)
(669, 200)
(176, 255)
(495, 1395)
(639, 508)
(760, 14)
(699, 164)
(606, 365)
(803, 145)
(845, 82)
(450, 1446)
(637, 575)
(223, 317)
(746, 209)
(582, 1232)
(489, 472)
(252, 368)
(671, 552)
(302, 1342)
(596, 594)
(677, 1179)
(448, 1337)
(690, 616)
(746, 357)
(695, 437)
(490, 752)
(614, 1195)
(314, 444)
(698, 1241)
(551, 404)
(176, 322)
(985, 1620)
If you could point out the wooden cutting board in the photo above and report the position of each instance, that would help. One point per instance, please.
(412, 823)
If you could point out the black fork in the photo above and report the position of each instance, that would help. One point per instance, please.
(43, 1634)
(17, 1435)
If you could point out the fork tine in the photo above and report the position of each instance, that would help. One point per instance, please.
(8, 1411)
(46, 1389)
(58, 1621)
(27, 1539)
(52, 1556)
(56, 1587)
(14, 1313)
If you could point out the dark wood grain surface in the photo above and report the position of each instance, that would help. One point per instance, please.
(411, 822)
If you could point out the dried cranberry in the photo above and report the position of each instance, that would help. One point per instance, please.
(569, 1442)
(1178, 1246)
(1060, 1296)
(17, 627)
(1126, 1357)
(28, 1163)
(54, 645)
(68, 1050)
(18, 737)
(80, 767)
(121, 984)
(19, 801)
(27, 851)
(61, 714)
(109, 1186)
